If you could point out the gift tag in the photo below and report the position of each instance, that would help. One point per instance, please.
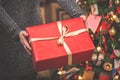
(93, 22)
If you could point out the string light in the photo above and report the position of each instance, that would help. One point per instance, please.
(80, 77)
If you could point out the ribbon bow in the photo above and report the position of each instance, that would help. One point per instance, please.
(63, 34)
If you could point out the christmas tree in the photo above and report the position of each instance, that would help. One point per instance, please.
(105, 61)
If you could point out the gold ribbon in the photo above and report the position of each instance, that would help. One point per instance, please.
(64, 32)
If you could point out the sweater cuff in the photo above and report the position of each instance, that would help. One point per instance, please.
(15, 32)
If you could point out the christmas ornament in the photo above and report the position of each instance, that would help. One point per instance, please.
(117, 2)
(63, 72)
(116, 19)
(116, 77)
(97, 59)
(69, 73)
(101, 56)
(94, 57)
(112, 31)
(112, 17)
(112, 56)
(113, 74)
(85, 2)
(99, 49)
(107, 66)
(80, 77)
(117, 53)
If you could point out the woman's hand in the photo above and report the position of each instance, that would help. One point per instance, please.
(23, 39)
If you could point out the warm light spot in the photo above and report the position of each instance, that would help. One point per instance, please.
(79, 77)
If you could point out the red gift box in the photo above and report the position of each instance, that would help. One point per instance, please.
(104, 76)
(60, 43)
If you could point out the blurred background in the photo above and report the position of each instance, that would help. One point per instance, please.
(51, 11)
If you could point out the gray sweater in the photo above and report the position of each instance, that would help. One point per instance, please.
(16, 15)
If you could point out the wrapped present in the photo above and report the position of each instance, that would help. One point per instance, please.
(104, 76)
(61, 43)
(88, 75)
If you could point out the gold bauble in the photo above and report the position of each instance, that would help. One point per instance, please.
(116, 19)
(112, 31)
(80, 77)
(108, 66)
(99, 49)
(111, 19)
(61, 72)
(116, 77)
(117, 2)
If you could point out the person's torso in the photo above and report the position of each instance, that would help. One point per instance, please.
(23, 12)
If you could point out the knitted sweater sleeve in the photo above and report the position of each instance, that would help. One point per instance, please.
(8, 24)
(71, 7)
